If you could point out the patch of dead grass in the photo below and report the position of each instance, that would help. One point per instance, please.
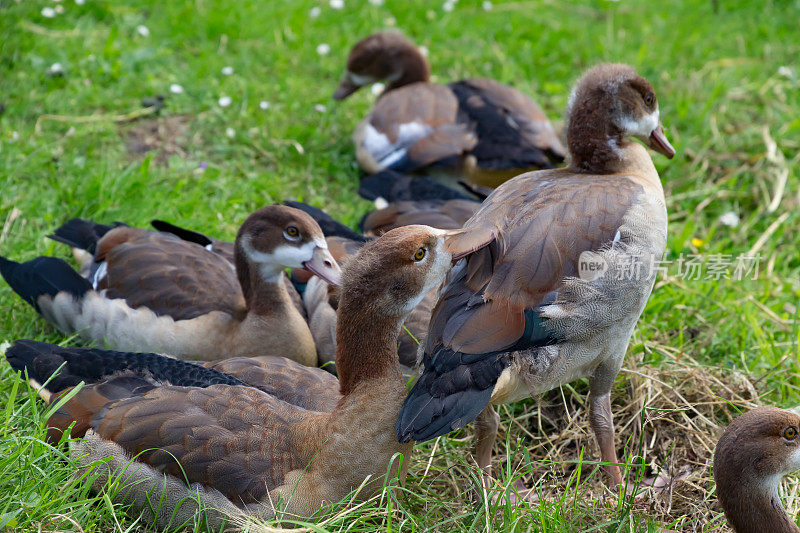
(166, 136)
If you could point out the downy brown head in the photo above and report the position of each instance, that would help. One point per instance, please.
(608, 104)
(277, 237)
(381, 285)
(385, 56)
(753, 454)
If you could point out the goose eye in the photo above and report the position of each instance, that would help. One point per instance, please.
(292, 233)
(790, 433)
(420, 255)
(648, 99)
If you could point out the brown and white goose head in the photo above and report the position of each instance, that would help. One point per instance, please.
(610, 104)
(756, 450)
(278, 237)
(386, 280)
(385, 56)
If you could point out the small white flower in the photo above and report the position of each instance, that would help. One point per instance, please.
(337, 4)
(376, 2)
(785, 71)
(227, 71)
(424, 51)
(729, 219)
(59, 9)
(377, 88)
(264, 105)
(448, 6)
(143, 30)
(315, 12)
(225, 101)
(230, 133)
(56, 69)
(321, 108)
(324, 49)
(48, 12)
(487, 5)
(14, 135)
(176, 89)
(80, 2)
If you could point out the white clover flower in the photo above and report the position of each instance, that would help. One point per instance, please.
(377, 88)
(230, 133)
(48, 12)
(176, 89)
(324, 49)
(487, 5)
(448, 6)
(337, 4)
(227, 71)
(376, 2)
(729, 219)
(55, 69)
(785, 71)
(225, 101)
(143, 30)
(59, 9)
(14, 135)
(80, 2)
(321, 108)
(315, 12)
(424, 51)
(264, 105)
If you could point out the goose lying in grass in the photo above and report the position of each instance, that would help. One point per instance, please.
(181, 432)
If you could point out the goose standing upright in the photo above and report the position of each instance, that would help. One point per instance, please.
(527, 312)
(482, 129)
(756, 450)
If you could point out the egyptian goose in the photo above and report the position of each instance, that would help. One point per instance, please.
(239, 450)
(320, 299)
(481, 128)
(153, 291)
(525, 312)
(756, 450)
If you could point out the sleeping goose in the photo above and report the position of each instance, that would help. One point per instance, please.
(243, 452)
(480, 128)
(154, 291)
(526, 312)
(756, 450)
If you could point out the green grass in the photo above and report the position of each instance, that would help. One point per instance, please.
(728, 86)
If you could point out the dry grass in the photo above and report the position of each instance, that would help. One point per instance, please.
(668, 420)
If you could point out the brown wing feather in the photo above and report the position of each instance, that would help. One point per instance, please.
(533, 124)
(232, 438)
(541, 223)
(450, 214)
(168, 275)
(425, 104)
(310, 388)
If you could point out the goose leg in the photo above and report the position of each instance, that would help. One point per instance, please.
(602, 419)
(486, 426)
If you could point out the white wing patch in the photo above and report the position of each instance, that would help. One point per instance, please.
(100, 273)
(386, 153)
